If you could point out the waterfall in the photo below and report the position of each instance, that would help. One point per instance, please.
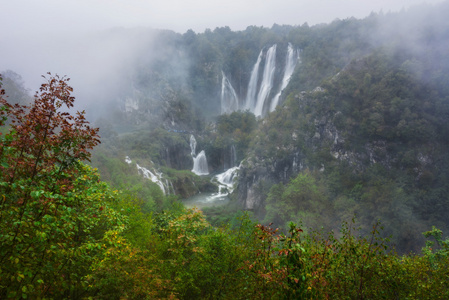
(260, 87)
(229, 158)
(233, 159)
(252, 85)
(156, 178)
(267, 80)
(200, 166)
(229, 99)
(290, 64)
(227, 179)
(192, 145)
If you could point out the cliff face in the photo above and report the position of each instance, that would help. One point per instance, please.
(352, 128)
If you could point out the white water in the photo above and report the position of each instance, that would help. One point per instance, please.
(226, 186)
(291, 60)
(233, 156)
(226, 179)
(229, 99)
(156, 177)
(258, 92)
(200, 166)
(192, 145)
(267, 80)
(252, 85)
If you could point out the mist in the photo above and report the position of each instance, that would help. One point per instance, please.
(101, 49)
(100, 64)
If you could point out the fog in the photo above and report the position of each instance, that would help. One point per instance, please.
(25, 16)
(91, 41)
(99, 64)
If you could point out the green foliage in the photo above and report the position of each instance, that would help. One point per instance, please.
(233, 130)
(303, 199)
(125, 177)
(441, 254)
(54, 209)
(163, 147)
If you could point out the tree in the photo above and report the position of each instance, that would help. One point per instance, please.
(54, 210)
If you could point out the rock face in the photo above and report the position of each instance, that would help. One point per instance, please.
(314, 143)
(177, 156)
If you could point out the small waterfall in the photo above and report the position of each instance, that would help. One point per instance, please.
(267, 80)
(226, 179)
(156, 178)
(290, 64)
(229, 99)
(192, 145)
(229, 158)
(252, 85)
(200, 166)
(233, 156)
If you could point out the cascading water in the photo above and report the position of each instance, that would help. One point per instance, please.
(252, 85)
(291, 60)
(192, 145)
(156, 178)
(233, 156)
(226, 179)
(229, 99)
(229, 158)
(267, 80)
(259, 88)
(200, 166)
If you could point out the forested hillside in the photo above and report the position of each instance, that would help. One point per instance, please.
(328, 142)
(363, 115)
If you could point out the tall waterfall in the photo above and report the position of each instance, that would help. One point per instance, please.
(267, 80)
(261, 83)
(252, 85)
(200, 166)
(229, 99)
(290, 64)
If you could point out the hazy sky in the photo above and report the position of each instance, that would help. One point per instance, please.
(24, 16)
